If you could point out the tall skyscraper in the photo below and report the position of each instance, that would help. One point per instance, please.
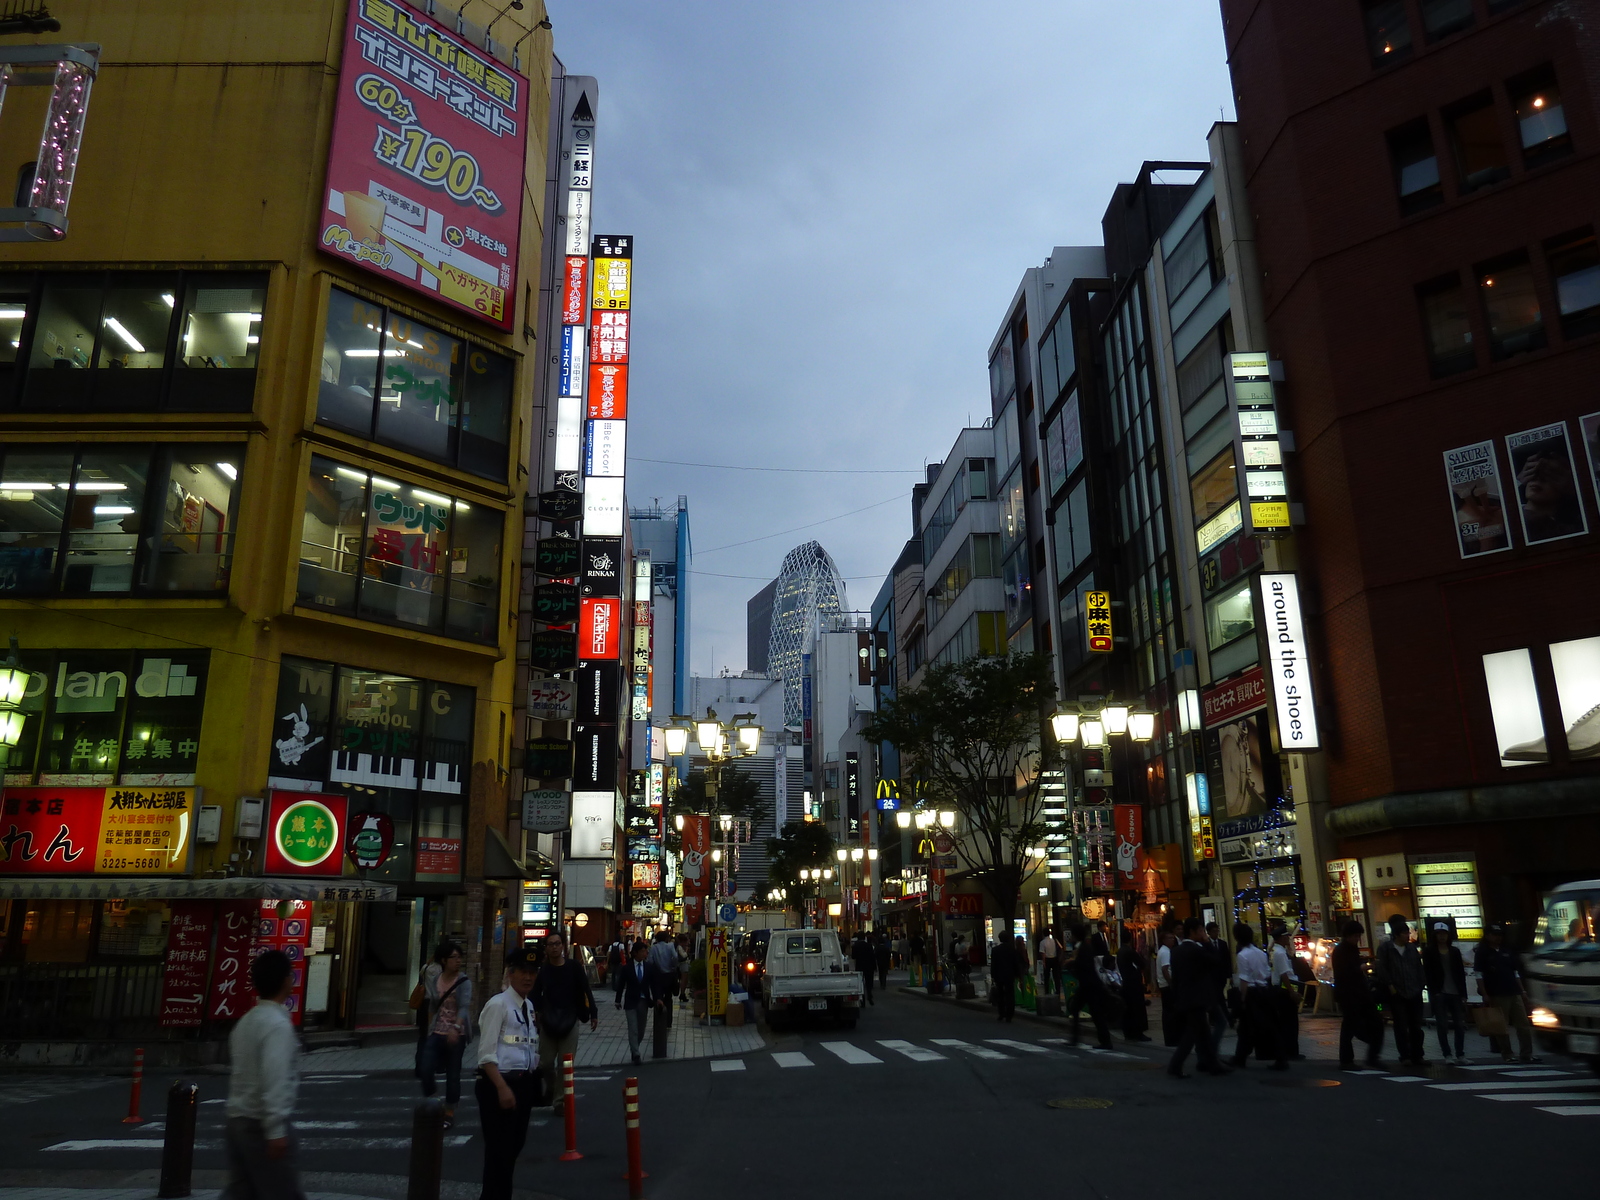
(758, 627)
(808, 585)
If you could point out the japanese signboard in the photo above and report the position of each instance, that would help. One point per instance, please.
(550, 699)
(546, 810)
(557, 557)
(1129, 823)
(304, 834)
(554, 649)
(717, 971)
(608, 337)
(1477, 499)
(97, 831)
(231, 993)
(547, 758)
(608, 388)
(285, 926)
(1547, 484)
(557, 505)
(425, 167)
(438, 859)
(1097, 621)
(594, 824)
(1233, 698)
(602, 564)
(646, 875)
(613, 271)
(183, 972)
(555, 603)
(1266, 510)
(599, 627)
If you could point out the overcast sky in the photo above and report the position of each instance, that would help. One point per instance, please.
(834, 204)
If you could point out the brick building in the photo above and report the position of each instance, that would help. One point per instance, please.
(1424, 177)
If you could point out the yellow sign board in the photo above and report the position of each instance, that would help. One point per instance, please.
(717, 971)
(1097, 621)
(146, 831)
(1269, 514)
(613, 283)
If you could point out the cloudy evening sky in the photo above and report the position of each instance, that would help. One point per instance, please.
(834, 203)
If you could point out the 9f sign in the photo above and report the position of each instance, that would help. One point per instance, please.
(1288, 662)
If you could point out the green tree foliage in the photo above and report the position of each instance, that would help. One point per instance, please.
(739, 794)
(801, 844)
(971, 733)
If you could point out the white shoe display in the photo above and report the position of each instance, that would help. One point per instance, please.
(1583, 739)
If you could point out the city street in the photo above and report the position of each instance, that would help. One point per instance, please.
(921, 1092)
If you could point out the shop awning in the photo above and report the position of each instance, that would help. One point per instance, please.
(498, 860)
(110, 887)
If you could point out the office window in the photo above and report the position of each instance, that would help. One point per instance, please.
(1057, 358)
(1388, 32)
(1013, 519)
(398, 381)
(1229, 616)
(399, 553)
(1446, 330)
(1215, 487)
(1541, 119)
(1511, 304)
(117, 519)
(1416, 167)
(1475, 137)
(1575, 266)
(1189, 259)
(125, 341)
(1201, 370)
(986, 555)
(1002, 374)
(1441, 18)
(978, 472)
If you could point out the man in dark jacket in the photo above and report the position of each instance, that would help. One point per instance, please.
(866, 962)
(880, 951)
(1500, 984)
(1399, 971)
(1003, 977)
(1091, 993)
(1352, 991)
(1131, 966)
(640, 988)
(1447, 990)
(1193, 992)
(561, 1000)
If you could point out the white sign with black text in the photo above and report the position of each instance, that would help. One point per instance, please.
(1289, 662)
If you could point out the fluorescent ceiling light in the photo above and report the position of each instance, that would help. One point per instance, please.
(111, 510)
(97, 485)
(358, 476)
(7, 486)
(463, 506)
(388, 483)
(116, 327)
(167, 296)
(251, 339)
(432, 497)
(12, 314)
(228, 469)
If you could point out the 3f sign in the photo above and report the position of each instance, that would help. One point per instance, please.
(1288, 662)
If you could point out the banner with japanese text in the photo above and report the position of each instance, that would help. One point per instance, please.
(97, 831)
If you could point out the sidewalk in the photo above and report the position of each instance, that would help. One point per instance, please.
(606, 1046)
(1319, 1035)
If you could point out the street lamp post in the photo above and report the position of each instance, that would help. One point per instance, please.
(721, 742)
(13, 686)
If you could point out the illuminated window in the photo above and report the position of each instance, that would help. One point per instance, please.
(1577, 672)
(1480, 153)
(1512, 305)
(1514, 705)
(1416, 167)
(1575, 266)
(1229, 616)
(1215, 487)
(1541, 118)
(1388, 32)
(1447, 331)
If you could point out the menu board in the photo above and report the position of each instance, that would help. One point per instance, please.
(183, 973)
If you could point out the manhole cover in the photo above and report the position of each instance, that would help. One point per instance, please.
(1079, 1102)
(1300, 1081)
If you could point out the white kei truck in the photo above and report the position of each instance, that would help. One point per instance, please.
(1562, 973)
(806, 974)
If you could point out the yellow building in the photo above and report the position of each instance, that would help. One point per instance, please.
(264, 438)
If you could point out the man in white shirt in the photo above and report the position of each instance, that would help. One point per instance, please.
(1285, 994)
(265, 1055)
(1169, 1018)
(1253, 974)
(507, 1086)
(1050, 960)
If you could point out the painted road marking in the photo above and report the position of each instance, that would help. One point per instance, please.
(914, 1053)
(1026, 1047)
(850, 1052)
(1535, 1074)
(979, 1051)
(306, 1144)
(1566, 1110)
(1530, 1086)
(1547, 1096)
(1418, 1079)
(727, 1064)
(792, 1058)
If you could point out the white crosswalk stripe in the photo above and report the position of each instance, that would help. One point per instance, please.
(306, 1145)
(1025, 1047)
(976, 1051)
(1516, 1083)
(850, 1052)
(914, 1053)
(1563, 1110)
(1545, 1096)
(727, 1064)
(1535, 1074)
(792, 1058)
(1501, 1085)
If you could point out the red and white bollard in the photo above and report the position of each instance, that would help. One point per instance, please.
(133, 1117)
(630, 1110)
(569, 1085)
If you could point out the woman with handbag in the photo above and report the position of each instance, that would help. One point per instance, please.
(448, 1007)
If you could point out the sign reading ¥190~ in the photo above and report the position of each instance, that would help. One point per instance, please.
(425, 165)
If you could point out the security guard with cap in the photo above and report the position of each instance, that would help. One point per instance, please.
(508, 1083)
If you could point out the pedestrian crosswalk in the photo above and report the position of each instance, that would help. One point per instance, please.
(937, 1050)
(1545, 1089)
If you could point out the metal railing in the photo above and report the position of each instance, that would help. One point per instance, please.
(70, 1001)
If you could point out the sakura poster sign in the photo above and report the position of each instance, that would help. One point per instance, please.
(425, 167)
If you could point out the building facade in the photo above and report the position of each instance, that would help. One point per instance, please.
(262, 474)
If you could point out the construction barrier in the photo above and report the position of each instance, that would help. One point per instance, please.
(568, 1083)
(133, 1117)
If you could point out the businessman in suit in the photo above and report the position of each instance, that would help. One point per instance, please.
(640, 989)
(1196, 971)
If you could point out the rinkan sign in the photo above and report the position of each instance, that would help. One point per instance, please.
(1288, 663)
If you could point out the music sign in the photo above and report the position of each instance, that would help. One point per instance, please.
(425, 167)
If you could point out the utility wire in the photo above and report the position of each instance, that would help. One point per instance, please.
(811, 525)
(675, 462)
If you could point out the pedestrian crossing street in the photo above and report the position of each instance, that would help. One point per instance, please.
(1561, 1092)
(883, 1050)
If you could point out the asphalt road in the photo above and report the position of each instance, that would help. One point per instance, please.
(921, 1094)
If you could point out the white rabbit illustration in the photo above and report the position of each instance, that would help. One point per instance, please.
(692, 864)
(292, 748)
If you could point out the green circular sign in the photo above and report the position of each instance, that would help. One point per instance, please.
(307, 833)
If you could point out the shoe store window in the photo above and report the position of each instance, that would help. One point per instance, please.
(406, 384)
(1514, 705)
(1577, 672)
(1511, 303)
(1541, 119)
(126, 341)
(1514, 701)
(1575, 266)
(1480, 152)
(118, 520)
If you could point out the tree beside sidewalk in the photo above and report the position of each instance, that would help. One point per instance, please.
(971, 732)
